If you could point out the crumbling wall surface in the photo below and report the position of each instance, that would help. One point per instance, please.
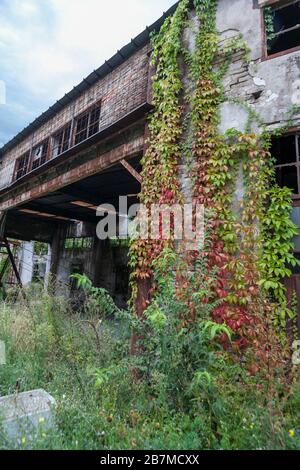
(120, 92)
(64, 259)
(105, 263)
(68, 259)
(271, 87)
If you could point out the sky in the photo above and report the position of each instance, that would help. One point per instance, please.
(49, 46)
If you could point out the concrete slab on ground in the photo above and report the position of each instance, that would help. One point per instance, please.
(25, 415)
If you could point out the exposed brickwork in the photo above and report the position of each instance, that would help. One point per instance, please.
(120, 92)
(94, 165)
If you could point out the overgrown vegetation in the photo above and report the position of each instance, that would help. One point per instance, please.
(269, 23)
(191, 393)
(241, 239)
(210, 370)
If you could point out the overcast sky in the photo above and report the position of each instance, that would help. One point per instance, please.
(48, 46)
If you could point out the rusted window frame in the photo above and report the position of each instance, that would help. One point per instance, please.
(28, 153)
(72, 125)
(265, 55)
(57, 132)
(81, 115)
(296, 133)
(47, 156)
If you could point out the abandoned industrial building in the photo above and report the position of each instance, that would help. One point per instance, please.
(87, 149)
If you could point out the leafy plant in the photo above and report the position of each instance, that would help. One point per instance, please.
(269, 24)
(278, 257)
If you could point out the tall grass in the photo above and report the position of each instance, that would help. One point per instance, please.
(189, 395)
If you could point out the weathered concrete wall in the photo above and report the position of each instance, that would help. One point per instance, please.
(268, 86)
(26, 262)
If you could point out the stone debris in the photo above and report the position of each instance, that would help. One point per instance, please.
(25, 416)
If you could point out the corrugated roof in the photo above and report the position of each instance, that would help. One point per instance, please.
(115, 61)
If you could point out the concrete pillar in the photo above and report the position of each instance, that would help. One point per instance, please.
(48, 267)
(56, 248)
(26, 262)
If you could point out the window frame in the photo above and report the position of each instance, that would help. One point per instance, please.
(88, 112)
(62, 129)
(295, 197)
(27, 166)
(47, 154)
(265, 55)
(296, 133)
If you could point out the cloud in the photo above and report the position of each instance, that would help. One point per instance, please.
(48, 46)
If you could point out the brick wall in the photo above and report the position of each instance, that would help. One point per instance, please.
(120, 92)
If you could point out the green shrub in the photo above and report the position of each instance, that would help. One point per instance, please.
(190, 394)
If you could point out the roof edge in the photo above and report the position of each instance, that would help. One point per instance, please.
(109, 65)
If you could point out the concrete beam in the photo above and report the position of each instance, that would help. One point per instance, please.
(90, 168)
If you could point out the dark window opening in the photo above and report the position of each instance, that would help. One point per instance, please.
(285, 150)
(122, 280)
(22, 164)
(282, 27)
(87, 125)
(94, 121)
(81, 129)
(287, 176)
(39, 155)
(296, 269)
(61, 141)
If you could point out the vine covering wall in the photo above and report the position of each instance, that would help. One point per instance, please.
(250, 249)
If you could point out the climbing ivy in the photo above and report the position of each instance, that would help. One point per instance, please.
(269, 23)
(250, 246)
(160, 163)
(277, 258)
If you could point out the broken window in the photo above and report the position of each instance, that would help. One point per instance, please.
(87, 125)
(22, 166)
(295, 216)
(39, 154)
(282, 27)
(61, 141)
(286, 151)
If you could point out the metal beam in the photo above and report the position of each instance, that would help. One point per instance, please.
(132, 170)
